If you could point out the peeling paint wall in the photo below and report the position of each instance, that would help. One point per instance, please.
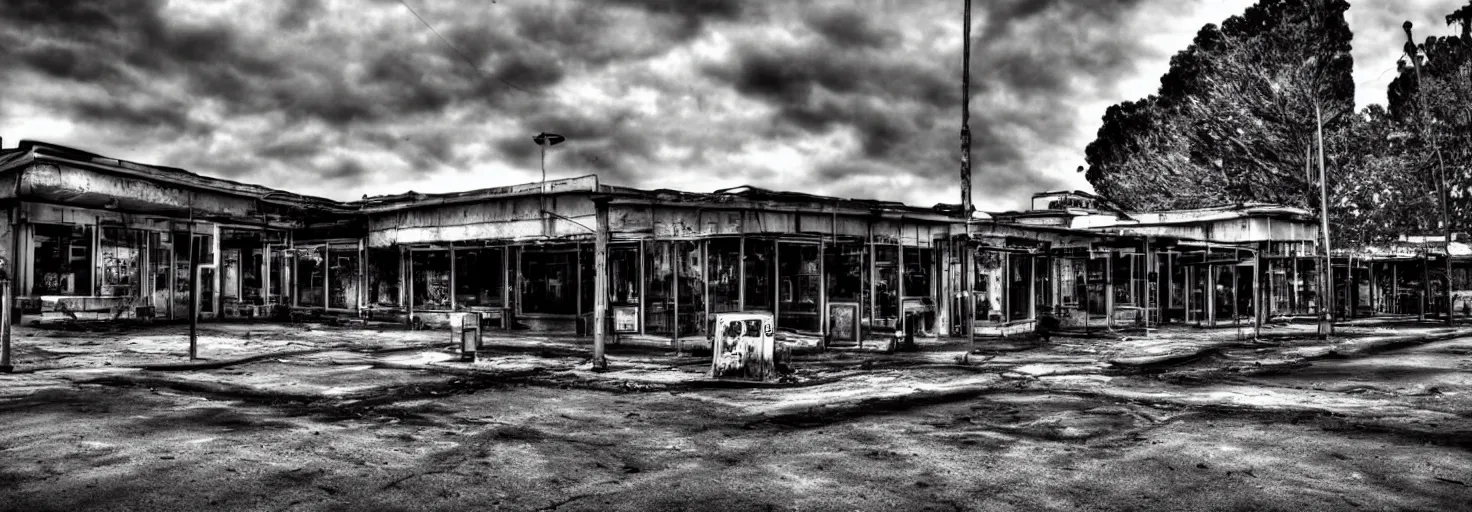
(68, 184)
(495, 219)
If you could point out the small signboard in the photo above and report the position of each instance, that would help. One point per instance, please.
(625, 319)
(843, 321)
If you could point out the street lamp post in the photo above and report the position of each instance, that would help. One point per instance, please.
(1441, 185)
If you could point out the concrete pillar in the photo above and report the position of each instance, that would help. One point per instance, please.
(600, 284)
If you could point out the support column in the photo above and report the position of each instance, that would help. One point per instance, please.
(1109, 288)
(600, 284)
(1425, 286)
(1257, 292)
(1032, 287)
(1209, 297)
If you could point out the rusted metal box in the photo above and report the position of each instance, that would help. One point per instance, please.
(743, 346)
(465, 331)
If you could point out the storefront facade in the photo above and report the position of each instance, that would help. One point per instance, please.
(91, 237)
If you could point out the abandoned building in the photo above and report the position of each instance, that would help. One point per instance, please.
(95, 237)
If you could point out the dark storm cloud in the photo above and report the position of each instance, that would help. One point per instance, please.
(850, 27)
(332, 94)
(903, 106)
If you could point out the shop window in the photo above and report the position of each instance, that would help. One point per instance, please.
(844, 265)
(188, 249)
(1020, 278)
(692, 287)
(724, 256)
(549, 282)
(343, 273)
(758, 262)
(1071, 282)
(383, 276)
(659, 273)
(431, 278)
(797, 290)
(919, 262)
(887, 283)
(62, 259)
(161, 263)
(479, 277)
(988, 284)
(122, 250)
(623, 271)
(1043, 282)
(584, 278)
(310, 265)
(279, 276)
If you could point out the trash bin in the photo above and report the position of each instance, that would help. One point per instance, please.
(465, 331)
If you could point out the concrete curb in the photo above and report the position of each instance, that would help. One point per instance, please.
(215, 365)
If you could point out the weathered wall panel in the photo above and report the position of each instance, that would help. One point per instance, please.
(55, 182)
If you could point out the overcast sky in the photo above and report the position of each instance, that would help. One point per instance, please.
(342, 98)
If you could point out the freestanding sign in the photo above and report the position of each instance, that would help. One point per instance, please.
(743, 346)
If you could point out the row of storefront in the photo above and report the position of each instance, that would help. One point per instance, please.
(89, 236)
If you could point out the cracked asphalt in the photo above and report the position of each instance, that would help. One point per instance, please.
(385, 422)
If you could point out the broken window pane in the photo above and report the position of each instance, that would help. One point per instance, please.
(549, 281)
(886, 284)
(343, 273)
(660, 275)
(623, 271)
(161, 263)
(122, 250)
(725, 274)
(383, 276)
(431, 274)
(692, 288)
(919, 265)
(310, 263)
(62, 260)
(759, 272)
(479, 277)
(798, 281)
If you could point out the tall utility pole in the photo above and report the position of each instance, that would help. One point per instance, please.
(1326, 327)
(969, 302)
(1441, 188)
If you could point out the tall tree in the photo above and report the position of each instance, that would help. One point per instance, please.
(1235, 114)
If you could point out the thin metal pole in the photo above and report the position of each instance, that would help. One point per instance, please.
(969, 299)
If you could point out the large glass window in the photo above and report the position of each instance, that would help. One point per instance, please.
(659, 273)
(344, 274)
(797, 290)
(479, 277)
(280, 275)
(161, 263)
(1020, 280)
(919, 264)
(844, 264)
(692, 287)
(623, 270)
(62, 260)
(310, 265)
(759, 272)
(431, 276)
(887, 284)
(549, 281)
(122, 251)
(725, 274)
(988, 284)
(383, 276)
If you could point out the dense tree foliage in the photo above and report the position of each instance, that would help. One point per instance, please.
(1235, 118)
(1235, 115)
